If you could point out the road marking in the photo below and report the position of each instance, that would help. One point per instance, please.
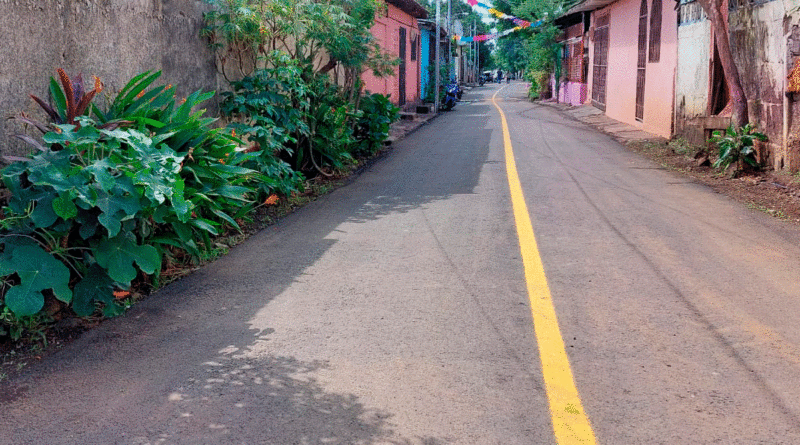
(570, 423)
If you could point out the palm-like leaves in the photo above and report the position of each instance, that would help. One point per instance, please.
(70, 103)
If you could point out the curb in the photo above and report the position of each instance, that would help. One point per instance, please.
(593, 117)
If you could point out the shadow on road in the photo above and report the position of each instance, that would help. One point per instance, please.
(180, 367)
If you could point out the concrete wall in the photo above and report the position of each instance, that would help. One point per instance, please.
(660, 76)
(759, 46)
(692, 79)
(111, 39)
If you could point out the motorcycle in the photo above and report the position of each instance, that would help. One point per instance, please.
(450, 96)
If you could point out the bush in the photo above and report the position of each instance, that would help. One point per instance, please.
(376, 116)
(301, 121)
(104, 197)
(736, 145)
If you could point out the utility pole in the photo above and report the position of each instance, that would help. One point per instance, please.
(436, 39)
(474, 67)
(449, 41)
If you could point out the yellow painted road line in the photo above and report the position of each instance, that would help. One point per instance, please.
(570, 423)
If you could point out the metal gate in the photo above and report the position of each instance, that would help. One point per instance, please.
(600, 63)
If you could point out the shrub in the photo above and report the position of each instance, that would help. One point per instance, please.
(736, 145)
(372, 128)
(104, 197)
(295, 116)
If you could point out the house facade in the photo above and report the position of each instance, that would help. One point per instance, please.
(573, 87)
(397, 32)
(632, 56)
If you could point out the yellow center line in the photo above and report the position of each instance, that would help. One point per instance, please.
(570, 423)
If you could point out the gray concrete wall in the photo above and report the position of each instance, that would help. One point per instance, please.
(111, 39)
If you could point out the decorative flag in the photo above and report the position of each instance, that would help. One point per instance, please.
(461, 40)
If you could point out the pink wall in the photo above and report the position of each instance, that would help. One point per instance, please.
(386, 31)
(573, 93)
(622, 57)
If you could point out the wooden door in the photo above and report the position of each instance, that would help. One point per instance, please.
(600, 63)
(402, 68)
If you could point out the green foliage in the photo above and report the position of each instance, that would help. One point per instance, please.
(372, 129)
(36, 271)
(428, 96)
(299, 120)
(736, 145)
(245, 32)
(536, 48)
(29, 328)
(104, 197)
(72, 101)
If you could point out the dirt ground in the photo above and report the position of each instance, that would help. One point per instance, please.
(775, 193)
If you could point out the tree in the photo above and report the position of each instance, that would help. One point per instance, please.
(714, 11)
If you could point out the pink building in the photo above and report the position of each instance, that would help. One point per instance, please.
(572, 87)
(632, 61)
(397, 32)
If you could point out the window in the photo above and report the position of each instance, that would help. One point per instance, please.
(414, 45)
(655, 32)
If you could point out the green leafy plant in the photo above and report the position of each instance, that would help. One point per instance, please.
(31, 328)
(104, 197)
(736, 145)
(377, 114)
(72, 101)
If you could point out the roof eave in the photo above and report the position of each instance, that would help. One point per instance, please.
(410, 7)
(588, 5)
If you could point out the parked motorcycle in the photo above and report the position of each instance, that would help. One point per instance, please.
(450, 96)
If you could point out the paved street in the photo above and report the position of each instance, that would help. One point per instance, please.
(396, 310)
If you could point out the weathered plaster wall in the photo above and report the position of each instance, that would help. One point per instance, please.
(111, 39)
(692, 75)
(691, 83)
(759, 47)
(791, 27)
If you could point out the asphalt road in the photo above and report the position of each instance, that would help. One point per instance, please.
(396, 310)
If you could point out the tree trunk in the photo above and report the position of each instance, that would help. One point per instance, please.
(713, 9)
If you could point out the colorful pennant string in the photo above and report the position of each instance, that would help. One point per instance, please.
(461, 40)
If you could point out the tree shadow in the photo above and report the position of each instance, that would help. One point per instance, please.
(180, 367)
(270, 400)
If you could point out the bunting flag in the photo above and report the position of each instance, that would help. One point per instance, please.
(461, 40)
